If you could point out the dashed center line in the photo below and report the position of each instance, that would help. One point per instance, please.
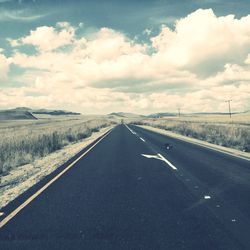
(158, 156)
(207, 197)
(130, 129)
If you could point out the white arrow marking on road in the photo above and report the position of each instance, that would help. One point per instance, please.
(168, 162)
(152, 156)
(161, 158)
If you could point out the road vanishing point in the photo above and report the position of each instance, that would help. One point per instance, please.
(129, 191)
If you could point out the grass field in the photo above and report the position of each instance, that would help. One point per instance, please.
(237, 119)
(23, 141)
(217, 129)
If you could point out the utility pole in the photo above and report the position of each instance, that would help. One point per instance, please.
(229, 107)
(179, 112)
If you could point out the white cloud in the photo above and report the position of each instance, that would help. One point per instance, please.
(203, 41)
(4, 65)
(108, 44)
(18, 15)
(232, 74)
(247, 61)
(107, 71)
(48, 38)
(147, 32)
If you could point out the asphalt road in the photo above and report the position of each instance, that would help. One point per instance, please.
(131, 192)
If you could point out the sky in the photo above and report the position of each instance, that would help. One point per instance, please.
(144, 56)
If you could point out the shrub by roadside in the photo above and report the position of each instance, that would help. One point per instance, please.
(20, 146)
(228, 135)
(18, 180)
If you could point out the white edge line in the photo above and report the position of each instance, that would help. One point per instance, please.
(168, 162)
(142, 139)
(31, 198)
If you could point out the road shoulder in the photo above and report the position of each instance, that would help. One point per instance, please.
(19, 180)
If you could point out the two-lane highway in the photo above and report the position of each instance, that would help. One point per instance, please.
(131, 192)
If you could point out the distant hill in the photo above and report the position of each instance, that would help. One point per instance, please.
(23, 109)
(13, 114)
(125, 115)
(54, 112)
(160, 115)
(46, 111)
(246, 112)
(211, 113)
(24, 113)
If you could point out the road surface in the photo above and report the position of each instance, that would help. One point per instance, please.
(132, 192)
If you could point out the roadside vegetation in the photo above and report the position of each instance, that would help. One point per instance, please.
(234, 133)
(23, 142)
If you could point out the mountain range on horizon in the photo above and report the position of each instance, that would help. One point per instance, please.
(24, 113)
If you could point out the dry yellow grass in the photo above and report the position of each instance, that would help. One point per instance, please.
(238, 119)
(217, 129)
(23, 141)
